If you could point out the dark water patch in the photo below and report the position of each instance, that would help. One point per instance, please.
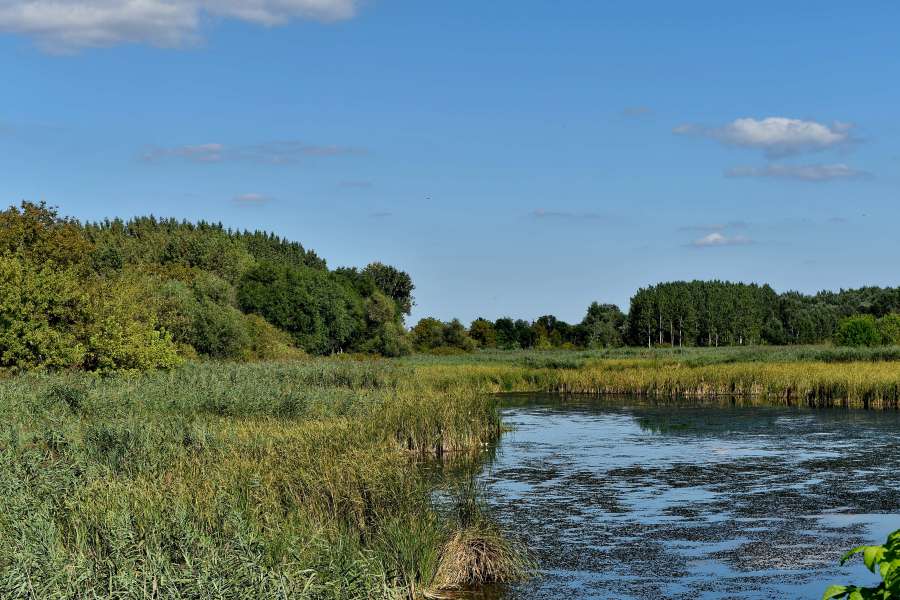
(626, 498)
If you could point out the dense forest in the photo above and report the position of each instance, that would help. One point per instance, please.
(148, 293)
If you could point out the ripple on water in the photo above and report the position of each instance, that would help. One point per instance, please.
(626, 499)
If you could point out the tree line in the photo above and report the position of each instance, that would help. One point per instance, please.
(147, 293)
(695, 313)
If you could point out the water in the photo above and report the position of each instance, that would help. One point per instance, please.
(626, 498)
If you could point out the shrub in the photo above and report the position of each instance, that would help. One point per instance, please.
(889, 329)
(39, 309)
(858, 330)
(121, 332)
(430, 334)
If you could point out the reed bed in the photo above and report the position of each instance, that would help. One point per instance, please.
(309, 479)
(823, 384)
(294, 480)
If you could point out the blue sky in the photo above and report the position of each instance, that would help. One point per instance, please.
(517, 158)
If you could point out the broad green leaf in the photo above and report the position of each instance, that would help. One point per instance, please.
(850, 554)
(872, 556)
(835, 591)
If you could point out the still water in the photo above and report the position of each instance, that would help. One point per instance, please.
(626, 498)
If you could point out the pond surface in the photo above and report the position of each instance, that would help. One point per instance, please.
(626, 498)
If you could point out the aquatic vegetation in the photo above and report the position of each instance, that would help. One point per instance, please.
(274, 480)
(880, 560)
(859, 383)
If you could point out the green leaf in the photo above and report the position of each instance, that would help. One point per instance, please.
(850, 554)
(872, 555)
(835, 591)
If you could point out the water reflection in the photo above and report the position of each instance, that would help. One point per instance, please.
(627, 498)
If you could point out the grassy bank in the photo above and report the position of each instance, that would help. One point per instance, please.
(813, 376)
(305, 479)
(226, 481)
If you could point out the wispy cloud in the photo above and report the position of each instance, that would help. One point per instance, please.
(800, 172)
(540, 213)
(69, 25)
(717, 239)
(775, 136)
(283, 152)
(710, 227)
(252, 199)
(637, 111)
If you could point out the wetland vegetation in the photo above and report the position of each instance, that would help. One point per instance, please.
(195, 412)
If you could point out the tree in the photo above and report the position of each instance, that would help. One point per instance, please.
(483, 332)
(396, 284)
(603, 325)
(505, 330)
(37, 233)
(889, 329)
(859, 330)
(431, 334)
(322, 314)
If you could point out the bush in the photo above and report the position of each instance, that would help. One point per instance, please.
(122, 334)
(859, 330)
(430, 334)
(889, 329)
(39, 309)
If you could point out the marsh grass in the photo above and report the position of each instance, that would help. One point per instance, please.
(858, 384)
(315, 479)
(292, 480)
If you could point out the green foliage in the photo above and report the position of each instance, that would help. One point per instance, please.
(889, 329)
(859, 330)
(385, 334)
(483, 332)
(38, 234)
(121, 331)
(396, 284)
(432, 335)
(321, 312)
(120, 295)
(603, 326)
(41, 308)
(880, 560)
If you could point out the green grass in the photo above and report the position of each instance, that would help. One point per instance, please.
(573, 359)
(317, 479)
(297, 480)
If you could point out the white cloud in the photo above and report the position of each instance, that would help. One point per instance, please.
(68, 25)
(717, 238)
(274, 153)
(800, 172)
(776, 136)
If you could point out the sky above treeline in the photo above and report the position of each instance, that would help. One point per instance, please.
(516, 158)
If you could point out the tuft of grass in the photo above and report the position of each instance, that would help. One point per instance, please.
(476, 553)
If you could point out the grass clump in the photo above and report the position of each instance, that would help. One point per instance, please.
(475, 552)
